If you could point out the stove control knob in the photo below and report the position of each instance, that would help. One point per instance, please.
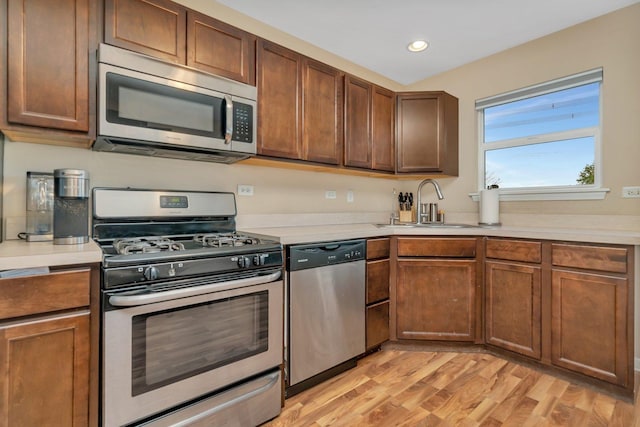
(150, 273)
(259, 259)
(243, 262)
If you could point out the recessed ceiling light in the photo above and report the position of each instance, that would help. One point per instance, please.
(418, 46)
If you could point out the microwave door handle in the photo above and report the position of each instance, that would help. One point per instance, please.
(228, 133)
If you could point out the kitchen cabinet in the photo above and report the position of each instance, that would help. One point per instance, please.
(592, 311)
(377, 292)
(427, 133)
(300, 108)
(435, 289)
(369, 126)
(48, 72)
(278, 81)
(219, 48)
(513, 283)
(383, 120)
(45, 349)
(172, 32)
(322, 132)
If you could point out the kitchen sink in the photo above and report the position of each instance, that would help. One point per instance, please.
(430, 225)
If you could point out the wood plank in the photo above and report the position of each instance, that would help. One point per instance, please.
(423, 388)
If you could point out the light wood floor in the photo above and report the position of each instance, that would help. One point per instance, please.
(420, 388)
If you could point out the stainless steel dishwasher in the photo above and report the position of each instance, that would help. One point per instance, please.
(326, 311)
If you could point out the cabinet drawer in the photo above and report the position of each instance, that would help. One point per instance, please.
(23, 296)
(378, 248)
(601, 258)
(437, 247)
(377, 324)
(377, 280)
(514, 250)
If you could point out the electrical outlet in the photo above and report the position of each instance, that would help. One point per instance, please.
(350, 196)
(630, 192)
(330, 194)
(245, 190)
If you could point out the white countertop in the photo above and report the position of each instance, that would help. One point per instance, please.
(320, 233)
(21, 254)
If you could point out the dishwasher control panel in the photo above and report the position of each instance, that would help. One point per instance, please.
(301, 257)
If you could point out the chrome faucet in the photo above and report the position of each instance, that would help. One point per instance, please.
(419, 196)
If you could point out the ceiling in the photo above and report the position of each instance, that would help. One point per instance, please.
(375, 33)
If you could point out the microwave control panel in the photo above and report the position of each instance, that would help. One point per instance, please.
(242, 122)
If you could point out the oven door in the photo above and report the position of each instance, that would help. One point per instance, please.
(162, 354)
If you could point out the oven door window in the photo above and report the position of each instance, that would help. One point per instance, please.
(172, 345)
(144, 104)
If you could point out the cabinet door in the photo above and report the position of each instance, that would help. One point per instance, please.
(512, 307)
(357, 127)
(383, 117)
(435, 299)
(322, 107)
(48, 64)
(154, 27)
(377, 280)
(377, 324)
(427, 133)
(219, 48)
(589, 325)
(45, 365)
(278, 82)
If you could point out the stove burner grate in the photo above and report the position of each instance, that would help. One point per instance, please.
(218, 240)
(146, 245)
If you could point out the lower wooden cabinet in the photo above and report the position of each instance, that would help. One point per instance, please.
(45, 346)
(589, 327)
(45, 365)
(564, 305)
(435, 299)
(377, 324)
(512, 307)
(377, 292)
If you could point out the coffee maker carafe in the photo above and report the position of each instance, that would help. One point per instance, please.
(70, 207)
(39, 207)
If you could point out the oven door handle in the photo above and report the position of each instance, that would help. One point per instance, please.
(135, 300)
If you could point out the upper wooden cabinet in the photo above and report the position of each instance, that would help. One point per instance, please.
(427, 133)
(154, 27)
(278, 81)
(383, 120)
(300, 106)
(167, 30)
(357, 126)
(321, 113)
(47, 69)
(219, 48)
(369, 125)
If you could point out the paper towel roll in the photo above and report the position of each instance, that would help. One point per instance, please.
(490, 207)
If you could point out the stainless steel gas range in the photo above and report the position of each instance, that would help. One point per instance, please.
(192, 311)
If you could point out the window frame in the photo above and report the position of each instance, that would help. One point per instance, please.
(593, 191)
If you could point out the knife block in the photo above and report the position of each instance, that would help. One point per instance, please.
(407, 216)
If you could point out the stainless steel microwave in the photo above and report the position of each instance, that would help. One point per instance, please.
(150, 107)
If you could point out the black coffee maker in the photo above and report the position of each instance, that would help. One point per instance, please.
(70, 206)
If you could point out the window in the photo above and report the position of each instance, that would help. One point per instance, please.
(543, 142)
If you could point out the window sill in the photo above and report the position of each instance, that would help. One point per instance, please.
(549, 194)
